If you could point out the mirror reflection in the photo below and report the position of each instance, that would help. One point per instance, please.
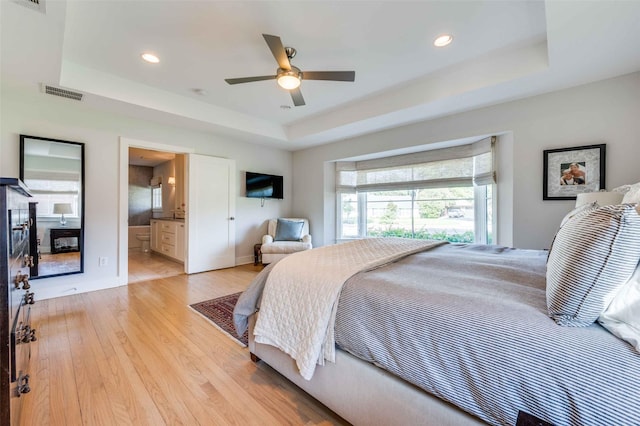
(53, 170)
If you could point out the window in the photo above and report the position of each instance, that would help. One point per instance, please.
(442, 194)
(156, 198)
(55, 189)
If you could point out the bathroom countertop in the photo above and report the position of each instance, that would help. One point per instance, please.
(168, 219)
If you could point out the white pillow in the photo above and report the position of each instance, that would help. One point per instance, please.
(622, 317)
(622, 189)
(632, 195)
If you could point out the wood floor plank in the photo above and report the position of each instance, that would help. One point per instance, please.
(87, 357)
(65, 405)
(40, 364)
(123, 380)
(158, 376)
(193, 361)
(139, 355)
(156, 345)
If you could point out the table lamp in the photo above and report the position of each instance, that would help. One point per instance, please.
(62, 209)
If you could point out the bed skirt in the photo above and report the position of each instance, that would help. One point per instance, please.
(362, 393)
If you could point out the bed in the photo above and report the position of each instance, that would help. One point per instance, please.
(451, 333)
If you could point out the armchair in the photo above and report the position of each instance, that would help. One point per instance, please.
(281, 243)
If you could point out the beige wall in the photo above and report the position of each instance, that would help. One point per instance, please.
(606, 111)
(33, 113)
(603, 112)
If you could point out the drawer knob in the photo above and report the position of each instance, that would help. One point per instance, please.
(23, 384)
(22, 279)
(28, 261)
(25, 334)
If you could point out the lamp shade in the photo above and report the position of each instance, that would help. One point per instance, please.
(602, 198)
(62, 208)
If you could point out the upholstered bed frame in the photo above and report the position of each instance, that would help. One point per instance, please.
(362, 393)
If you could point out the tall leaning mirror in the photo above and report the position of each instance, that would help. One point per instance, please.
(54, 172)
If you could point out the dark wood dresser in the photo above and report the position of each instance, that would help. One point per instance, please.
(16, 333)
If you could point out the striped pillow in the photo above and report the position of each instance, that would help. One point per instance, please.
(593, 255)
(578, 211)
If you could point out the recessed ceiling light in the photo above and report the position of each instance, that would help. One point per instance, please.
(285, 107)
(150, 57)
(443, 40)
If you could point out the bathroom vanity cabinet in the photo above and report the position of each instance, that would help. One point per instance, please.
(168, 238)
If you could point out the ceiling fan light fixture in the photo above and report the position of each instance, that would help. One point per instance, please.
(288, 76)
(150, 57)
(443, 40)
(289, 79)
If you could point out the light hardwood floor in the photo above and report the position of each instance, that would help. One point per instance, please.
(138, 355)
(150, 266)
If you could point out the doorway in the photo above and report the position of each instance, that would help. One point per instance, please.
(209, 196)
(142, 264)
(156, 187)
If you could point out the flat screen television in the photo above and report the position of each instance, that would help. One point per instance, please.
(260, 185)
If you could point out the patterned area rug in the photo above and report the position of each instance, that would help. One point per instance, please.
(220, 312)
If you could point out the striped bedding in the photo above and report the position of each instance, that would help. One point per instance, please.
(299, 305)
(477, 334)
(469, 324)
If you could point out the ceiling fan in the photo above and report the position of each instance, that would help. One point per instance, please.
(288, 76)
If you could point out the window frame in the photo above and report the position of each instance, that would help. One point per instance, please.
(480, 219)
(438, 169)
(156, 195)
(49, 196)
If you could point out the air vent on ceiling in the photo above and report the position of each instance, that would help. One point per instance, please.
(32, 4)
(57, 91)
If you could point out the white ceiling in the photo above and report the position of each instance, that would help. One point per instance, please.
(502, 50)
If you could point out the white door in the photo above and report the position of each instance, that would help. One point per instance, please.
(210, 213)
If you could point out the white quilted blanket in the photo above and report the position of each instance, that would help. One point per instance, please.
(297, 312)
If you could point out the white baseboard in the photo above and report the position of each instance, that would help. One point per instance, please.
(52, 291)
(244, 260)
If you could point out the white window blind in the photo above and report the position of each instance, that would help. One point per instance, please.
(458, 166)
(156, 198)
(51, 187)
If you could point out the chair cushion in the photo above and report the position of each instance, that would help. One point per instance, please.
(284, 247)
(289, 230)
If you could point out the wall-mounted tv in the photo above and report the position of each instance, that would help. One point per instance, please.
(260, 185)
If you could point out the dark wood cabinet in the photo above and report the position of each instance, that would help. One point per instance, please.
(34, 242)
(16, 299)
(64, 240)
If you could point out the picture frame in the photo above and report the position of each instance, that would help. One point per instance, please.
(568, 172)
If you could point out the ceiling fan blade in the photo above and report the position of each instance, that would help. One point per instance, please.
(329, 75)
(249, 79)
(277, 49)
(296, 95)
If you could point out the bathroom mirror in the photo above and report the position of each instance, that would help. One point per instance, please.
(53, 170)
